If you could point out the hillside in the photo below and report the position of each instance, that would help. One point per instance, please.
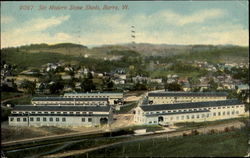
(36, 55)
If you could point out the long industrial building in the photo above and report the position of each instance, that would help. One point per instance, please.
(113, 98)
(68, 115)
(169, 114)
(155, 98)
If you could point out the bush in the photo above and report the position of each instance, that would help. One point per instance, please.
(213, 131)
(226, 129)
(194, 132)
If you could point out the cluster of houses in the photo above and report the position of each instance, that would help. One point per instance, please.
(119, 78)
(168, 108)
(71, 109)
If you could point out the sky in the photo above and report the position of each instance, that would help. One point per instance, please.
(156, 22)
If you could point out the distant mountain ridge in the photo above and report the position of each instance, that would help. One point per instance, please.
(144, 49)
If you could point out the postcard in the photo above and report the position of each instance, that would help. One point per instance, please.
(125, 79)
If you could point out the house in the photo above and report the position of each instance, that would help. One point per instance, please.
(242, 87)
(156, 80)
(66, 77)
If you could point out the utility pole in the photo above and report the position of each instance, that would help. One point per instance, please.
(133, 36)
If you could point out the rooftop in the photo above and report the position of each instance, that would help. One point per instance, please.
(102, 93)
(67, 99)
(159, 107)
(61, 108)
(173, 94)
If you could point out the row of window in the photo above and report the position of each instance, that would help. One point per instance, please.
(44, 119)
(70, 102)
(196, 97)
(198, 116)
(51, 112)
(189, 110)
(86, 96)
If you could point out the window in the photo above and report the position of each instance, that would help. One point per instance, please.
(224, 113)
(232, 112)
(39, 112)
(11, 119)
(214, 114)
(228, 113)
(24, 119)
(177, 117)
(218, 113)
(150, 122)
(38, 119)
(197, 116)
(31, 119)
(44, 119)
(89, 119)
(64, 119)
(18, 119)
(77, 113)
(182, 117)
(203, 115)
(57, 119)
(83, 119)
(58, 112)
(46, 112)
(237, 112)
(192, 117)
(52, 112)
(51, 119)
(64, 112)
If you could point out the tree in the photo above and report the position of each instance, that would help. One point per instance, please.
(55, 87)
(213, 85)
(28, 86)
(173, 87)
(108, 83)
(87, 85)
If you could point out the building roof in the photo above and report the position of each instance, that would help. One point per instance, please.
(159, 107)
(71, 115)
(99, 93)
(67, 99)
(179, 94)
(61, 108)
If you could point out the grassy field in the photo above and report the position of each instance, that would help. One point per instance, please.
(164, 73)
(228, 144)
(191, 125)
(6, 95)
